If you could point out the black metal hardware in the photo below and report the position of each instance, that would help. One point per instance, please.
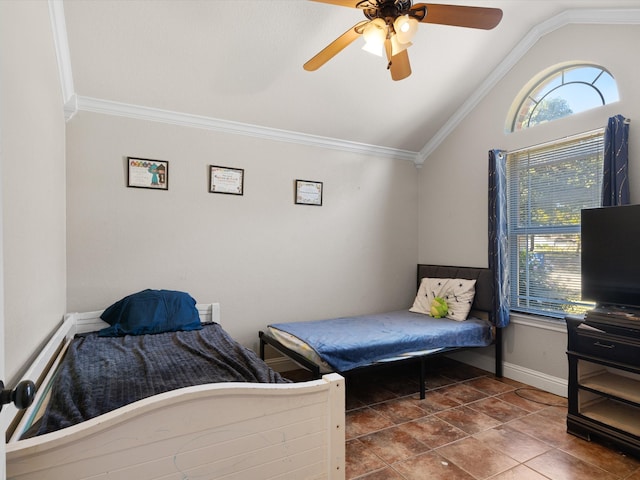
(22, 396)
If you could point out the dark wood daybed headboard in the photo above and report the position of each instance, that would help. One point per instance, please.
(483, 300)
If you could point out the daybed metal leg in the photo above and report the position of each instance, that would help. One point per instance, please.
(498, 352)
(423, 368)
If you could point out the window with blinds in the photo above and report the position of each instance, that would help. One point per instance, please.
(548, 185)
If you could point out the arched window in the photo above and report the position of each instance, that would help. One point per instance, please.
(566, 90)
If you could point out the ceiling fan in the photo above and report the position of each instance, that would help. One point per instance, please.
(391, 24)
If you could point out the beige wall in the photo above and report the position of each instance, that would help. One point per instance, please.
(262, 257)
(453, 181)
(32, 142)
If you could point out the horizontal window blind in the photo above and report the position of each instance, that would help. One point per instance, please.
(548, 185)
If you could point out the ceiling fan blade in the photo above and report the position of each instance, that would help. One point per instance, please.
(342, 3)
(399, 65)
(460, 16)
(335, 47)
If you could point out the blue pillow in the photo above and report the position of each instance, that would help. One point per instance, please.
(151, 311)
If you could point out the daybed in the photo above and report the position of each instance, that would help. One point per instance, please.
(231, 430)
(350, 344)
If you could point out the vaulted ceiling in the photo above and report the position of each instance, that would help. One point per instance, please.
(236, 65)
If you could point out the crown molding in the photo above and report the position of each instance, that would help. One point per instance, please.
(61, 46)
(587, 16)
(74, 103)
(138, 112)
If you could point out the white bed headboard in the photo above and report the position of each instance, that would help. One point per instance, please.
(91, 321)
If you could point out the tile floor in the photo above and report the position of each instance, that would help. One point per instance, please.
(471, 425)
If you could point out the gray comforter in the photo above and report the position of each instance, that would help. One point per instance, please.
(100, 374)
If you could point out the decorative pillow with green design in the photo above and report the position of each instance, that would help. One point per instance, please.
(457, 294)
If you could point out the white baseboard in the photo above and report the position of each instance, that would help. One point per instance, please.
(548, 383)
(555, 385)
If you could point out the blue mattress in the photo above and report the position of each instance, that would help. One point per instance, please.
(351, 342)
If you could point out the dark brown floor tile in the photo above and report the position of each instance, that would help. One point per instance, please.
(498, 409)
(460, 371)
(402, 386)
(490, 386)
(601, 456)
(544, 399)
(435, 380)
(517, 445)
(384, 474)
(546, 429)
(474, 457)
(519, 401)
(468, 420)
(400, 410)
(393, 444)
(462, 393)
(430, 466)
(557, 413)
(435, 401)
(363, 421)
(555, 416)
(511, 382)
(521, 472)
(352, 403)
(359, 460)
(480, 426)
(433, 432)
(559, 465)
(370, 393)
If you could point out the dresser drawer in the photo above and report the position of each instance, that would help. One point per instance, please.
(605, 347)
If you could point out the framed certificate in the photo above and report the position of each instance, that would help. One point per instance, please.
(145, 173)
(226, 180)
(308, 193)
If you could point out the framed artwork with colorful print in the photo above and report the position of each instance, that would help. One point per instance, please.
(146, 173)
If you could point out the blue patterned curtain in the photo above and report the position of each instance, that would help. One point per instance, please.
(615, 182)
(498, 246)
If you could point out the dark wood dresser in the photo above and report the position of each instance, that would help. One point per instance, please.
(604, 379)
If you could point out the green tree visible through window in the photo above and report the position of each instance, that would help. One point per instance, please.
(548, 187)
(549, 109)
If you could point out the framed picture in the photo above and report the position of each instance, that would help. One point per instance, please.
(308, 192)
(146, 173)
(226, 180)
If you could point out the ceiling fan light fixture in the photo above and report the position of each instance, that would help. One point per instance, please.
(396, 46)
(405, 28)
(375, 34)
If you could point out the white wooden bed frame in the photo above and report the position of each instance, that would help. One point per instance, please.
(214, 431)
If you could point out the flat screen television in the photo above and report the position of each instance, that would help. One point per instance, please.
(610, 259)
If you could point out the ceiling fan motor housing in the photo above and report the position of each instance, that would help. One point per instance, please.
(389, 10)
